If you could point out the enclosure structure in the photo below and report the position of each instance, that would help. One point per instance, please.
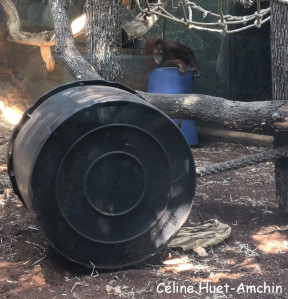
(225, 61)
(214, 71)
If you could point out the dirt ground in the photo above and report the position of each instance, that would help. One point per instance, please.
(251, 263)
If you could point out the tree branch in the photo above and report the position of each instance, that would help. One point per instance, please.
(132, 30)
(41, 39)
(48, 58)
(263, 117)
(137, 28)
(141, 24)
(44, 39)
(65, 45)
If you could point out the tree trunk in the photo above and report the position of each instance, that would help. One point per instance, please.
(279, 54)
(65, 45)
(104, 37)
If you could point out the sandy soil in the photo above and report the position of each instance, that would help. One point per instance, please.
(251, 263)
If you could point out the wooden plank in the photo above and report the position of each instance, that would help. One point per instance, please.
(210, 134)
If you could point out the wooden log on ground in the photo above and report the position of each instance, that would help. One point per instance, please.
(268, 116)
(210, 134)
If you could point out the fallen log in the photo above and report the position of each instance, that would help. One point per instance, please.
(265, 117)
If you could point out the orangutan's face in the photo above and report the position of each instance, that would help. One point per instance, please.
(158, 54)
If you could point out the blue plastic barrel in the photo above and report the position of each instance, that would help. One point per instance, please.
(169, 80)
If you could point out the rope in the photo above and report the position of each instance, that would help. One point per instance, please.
(224, 23)
(242, 162)
(259, 15)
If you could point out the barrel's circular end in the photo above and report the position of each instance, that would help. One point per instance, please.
(109, 178)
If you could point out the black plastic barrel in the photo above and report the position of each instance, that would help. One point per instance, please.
(108, 177)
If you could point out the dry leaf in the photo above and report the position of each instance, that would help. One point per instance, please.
(109, 288)
(113, 290)
(117, 289)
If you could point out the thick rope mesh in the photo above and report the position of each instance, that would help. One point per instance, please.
(223, 23)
